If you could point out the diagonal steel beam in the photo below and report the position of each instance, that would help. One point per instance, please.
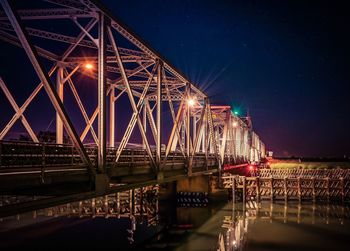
(80, 104)
(24, 106)
(224, 136)
(211, 137)
(172, 111)
(177, 123)
(152, 124)
(131, 97)
(40, 85)
(198, 134)
(133, 119)
(49, 87)
(18, 114)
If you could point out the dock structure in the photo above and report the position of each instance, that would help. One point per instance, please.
(278, 184)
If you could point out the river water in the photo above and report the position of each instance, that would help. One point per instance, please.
(137, 220)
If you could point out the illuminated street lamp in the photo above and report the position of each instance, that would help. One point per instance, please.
(88, 66)
(190, 102)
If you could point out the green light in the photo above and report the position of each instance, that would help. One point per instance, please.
(236, 112)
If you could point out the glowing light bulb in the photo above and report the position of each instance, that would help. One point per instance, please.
(191, 102)
(234, 124)
(88, 66)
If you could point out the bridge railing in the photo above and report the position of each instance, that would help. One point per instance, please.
(17, 154)
(305, 173)
(29, 154)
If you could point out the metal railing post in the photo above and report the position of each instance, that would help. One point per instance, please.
(257, 189)
(285, 188)
(299, 188)
(342, 189)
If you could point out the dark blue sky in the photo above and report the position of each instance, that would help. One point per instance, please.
(285, 61)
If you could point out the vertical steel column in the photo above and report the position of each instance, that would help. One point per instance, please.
(159, 115)
(194, 130)
(188, 128)
(60, 92)
(144, 122)
(183, 135)
(101, 155)
(112, 117)
(204, 134)
(188, 119)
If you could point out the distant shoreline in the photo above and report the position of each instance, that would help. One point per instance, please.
(311, 159)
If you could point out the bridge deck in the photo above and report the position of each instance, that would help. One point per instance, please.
(27, 165)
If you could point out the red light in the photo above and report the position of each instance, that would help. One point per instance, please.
(250, 167)
(268, 163)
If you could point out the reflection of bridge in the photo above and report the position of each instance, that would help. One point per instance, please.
(77, 45)
(237, 224)
(136, 205)
(141, 201)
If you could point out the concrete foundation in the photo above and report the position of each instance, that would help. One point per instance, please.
(101, 183)
(204, 183)
(194, 184)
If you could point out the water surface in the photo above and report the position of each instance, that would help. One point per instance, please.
(137, 220)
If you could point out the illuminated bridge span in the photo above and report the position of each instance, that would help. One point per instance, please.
(89, 65)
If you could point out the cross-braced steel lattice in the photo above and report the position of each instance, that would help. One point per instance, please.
(70, 42)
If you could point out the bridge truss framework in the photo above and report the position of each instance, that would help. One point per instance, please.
(103, 50)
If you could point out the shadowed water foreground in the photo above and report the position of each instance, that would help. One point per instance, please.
(286, 226)
(137, 220)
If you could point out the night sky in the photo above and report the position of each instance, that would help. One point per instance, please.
(287, 62)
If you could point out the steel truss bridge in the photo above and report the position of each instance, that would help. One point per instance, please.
(73, 43)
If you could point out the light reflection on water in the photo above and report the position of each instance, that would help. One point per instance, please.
(125, 210)
(137, 220)
(285, 226)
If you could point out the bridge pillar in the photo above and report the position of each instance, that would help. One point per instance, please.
(101, 183)
(203, 183)
(160, 176)
(101, 83)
